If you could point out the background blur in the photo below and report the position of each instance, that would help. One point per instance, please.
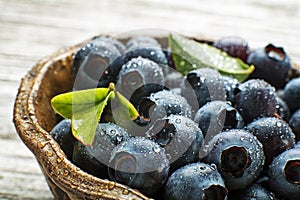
(32, 29)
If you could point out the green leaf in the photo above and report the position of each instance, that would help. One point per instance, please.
(189, 55)
(85, 107)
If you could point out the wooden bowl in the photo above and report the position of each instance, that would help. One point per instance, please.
(34, 118)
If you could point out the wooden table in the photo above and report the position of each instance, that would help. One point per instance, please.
(32, 29)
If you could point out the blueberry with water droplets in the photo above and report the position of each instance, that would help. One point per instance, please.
(294, 123)
(271, 64)
(292, 94)
(180, 137)
(94, 159)
(282, 109)
(238, 155)
(254, 99)
(62, 134)
(201, 86)
(195, 181)
(252, 192)
(275, 135)
(141, 164)
(230, 85)
(216, 116)
(164, 103)
(142, 75)
(146, 47)
(235, 46)
(96, 64)
(284, 174)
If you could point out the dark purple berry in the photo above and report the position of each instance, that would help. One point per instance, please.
(252, 192)
(195, 181)
(139, 163)
(275, 135)
(180, 137)
(295, 124)
(271, 64)
(94, 159)
(292, 94)
(234, 46)
(62, 134)
(238, 155)
(284, 174)
(282, 109)
(254, 99)
(230, 85)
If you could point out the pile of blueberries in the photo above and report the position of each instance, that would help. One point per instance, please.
(199, 136)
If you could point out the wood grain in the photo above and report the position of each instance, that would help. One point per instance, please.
(32, 29)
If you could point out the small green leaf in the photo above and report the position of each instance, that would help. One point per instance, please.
(189, 55)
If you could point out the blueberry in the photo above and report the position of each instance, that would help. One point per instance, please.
(62, 134)
(180, 137)
(254, 99)
(173, 79)
(145, 47)
(275, 135)
(164, 103)
(195, 181)
(292, 94)
(252, 192)
(216, 116)
(139, 163)
(271, 64)
(294, 123)
(234, 46)
(238, 155)
(230, 85)
(284, 174)
(282, 109)
(96, 64)
(140, 74)
(201, 86)
(94, 159)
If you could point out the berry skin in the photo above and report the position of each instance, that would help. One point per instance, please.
(275, 135)
(180, 137)
(201, 86)
(284, 174)
(295, 124)
(139, 163)
(216, 116)
(164, 103)
(292, 94)
(238, 155)
(252, 192)
(96, 64)
(271, 64)
(282, 109)
(235, 46)
(94, 159)
(62, 134)
(140, 74)
(254, 99)
(195, 181)
(230, 85)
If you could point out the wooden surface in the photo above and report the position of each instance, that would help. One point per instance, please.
(31, 29)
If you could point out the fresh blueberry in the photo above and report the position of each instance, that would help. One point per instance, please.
(275, 135)
(254, 99)
(216, 116)
(292, 94)
(96, 64)
(284, 174)
(164, 103)
(139, 163)
(271, 64)
(238, 155)
(195, 181)
(62, 134)
(234, 46)
(140, 74)
(180, 137)
(295, 124)
(252, 192)
(201, 86)
(230, 85)
(282, 109)
(94, 159)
